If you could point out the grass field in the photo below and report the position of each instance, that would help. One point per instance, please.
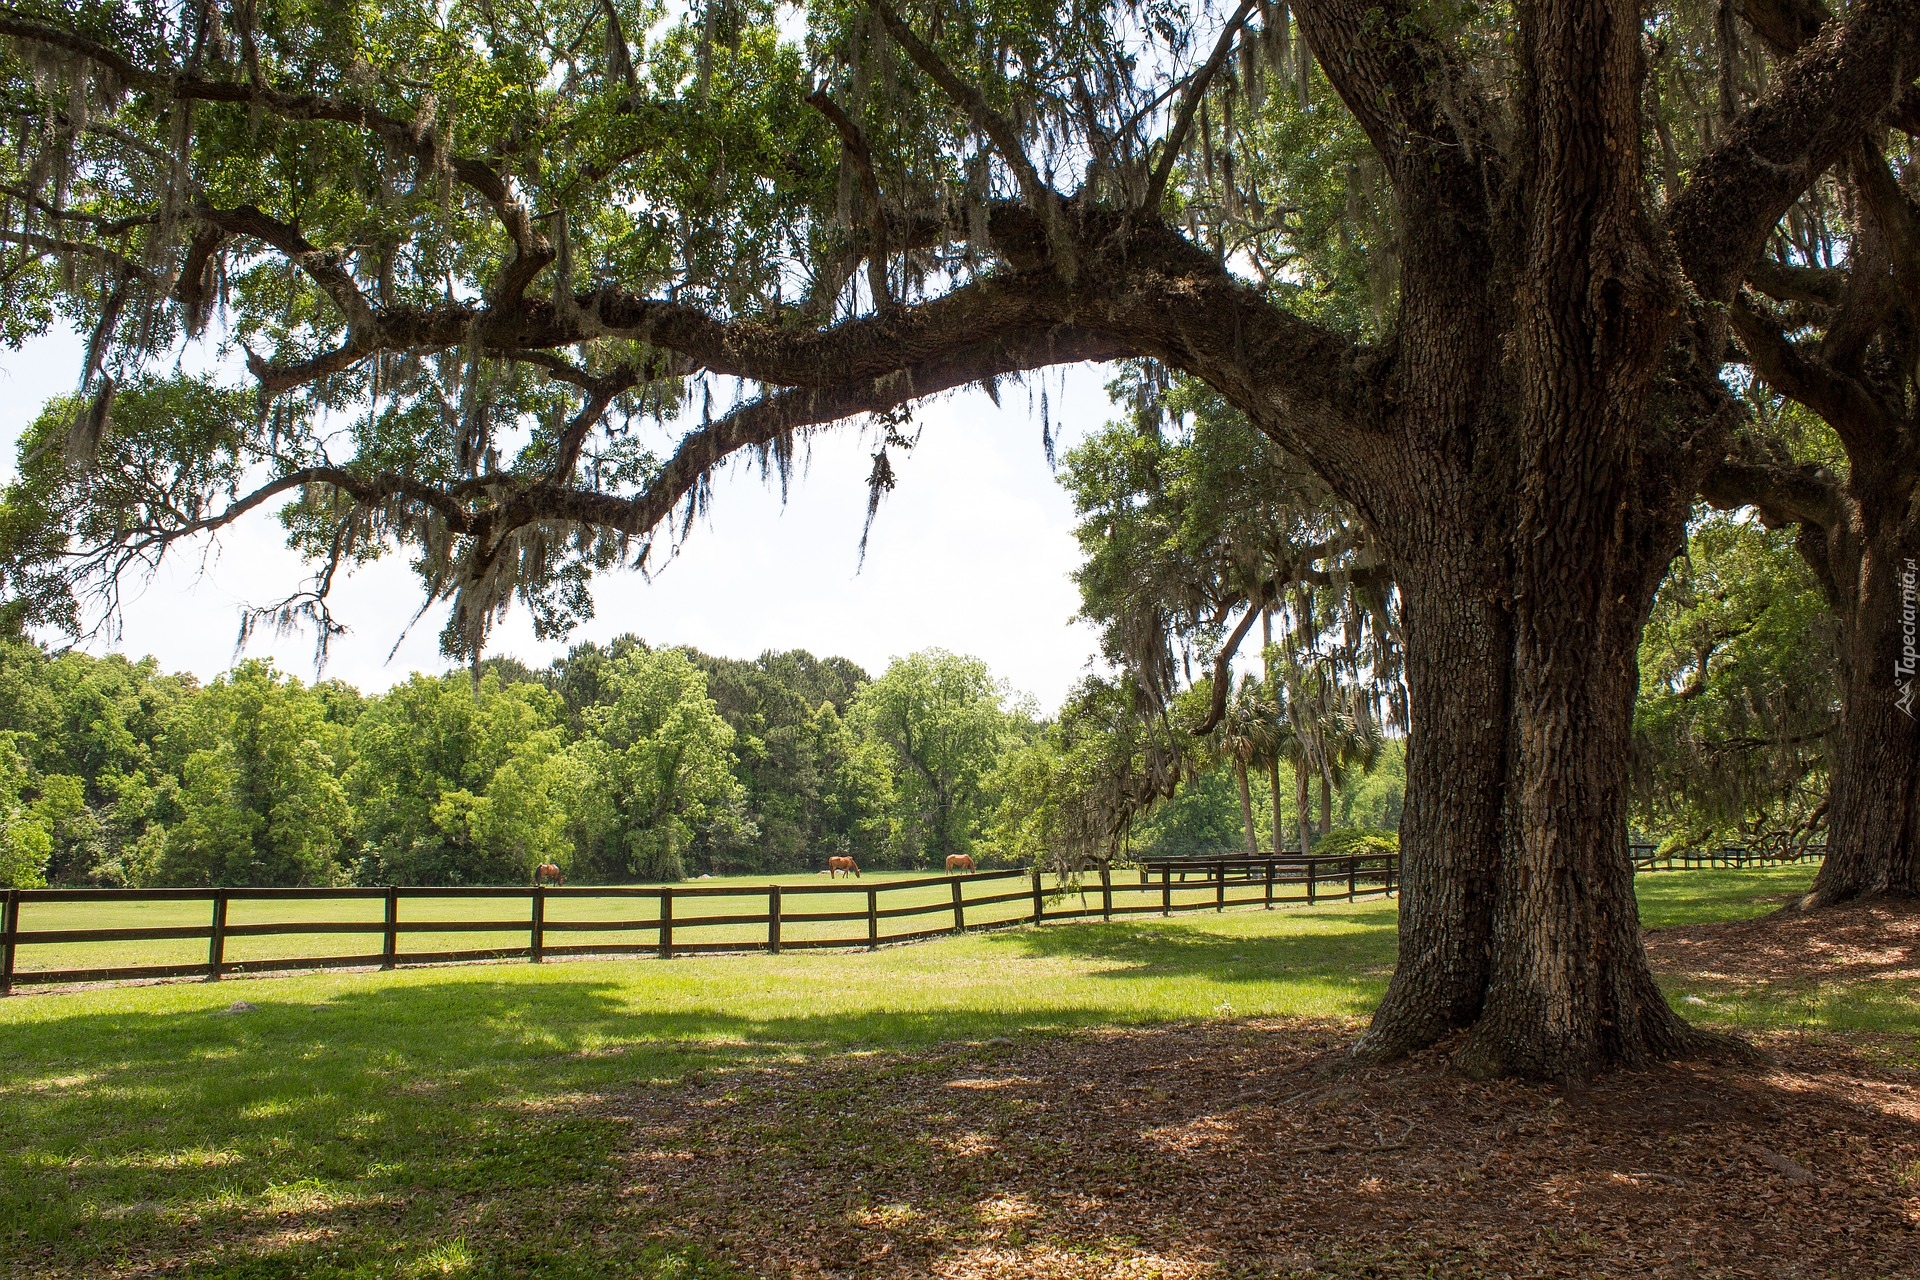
(694, 904)
(446, 1121)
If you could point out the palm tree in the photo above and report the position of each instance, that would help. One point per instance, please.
(1328, 729)
(1247, 735)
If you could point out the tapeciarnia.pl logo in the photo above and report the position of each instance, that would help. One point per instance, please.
(1909, 659)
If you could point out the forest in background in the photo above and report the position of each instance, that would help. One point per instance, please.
(619, 762)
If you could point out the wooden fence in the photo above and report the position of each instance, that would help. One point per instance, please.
(1732, 855)
(674, 919)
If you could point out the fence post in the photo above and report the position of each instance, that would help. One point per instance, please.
(1353, 878)
(1106, 893)
(773, 920)
(1038, 901)
(217, 941)
(1269, 884)
(1220, 886)
(9, 928)
(1311, 878)
(666, 922)
(959, 908)
(873, 919)
(537, 939)
(1166, 890)
(390, 944)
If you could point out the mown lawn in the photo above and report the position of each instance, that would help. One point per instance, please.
(694, 902)
(460, 1121)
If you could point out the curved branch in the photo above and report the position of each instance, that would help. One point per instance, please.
(1855, 416)
(1784, 492)
(1898, 220)
(855, 143)
(422, 141)
(1818, 107)
(601, 392)
(1818, 286)
(1385, 66)
(86, 248)
(104, 225)
(761, 422)
(1222, 662)
(320, 265)
(366, 490)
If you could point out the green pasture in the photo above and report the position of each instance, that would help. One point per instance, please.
(693, 903)
(463, 1120)
(1870, 997)
(1670, 898)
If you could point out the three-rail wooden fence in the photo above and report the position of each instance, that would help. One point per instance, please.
(674, 922)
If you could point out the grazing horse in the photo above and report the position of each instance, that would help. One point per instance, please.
(547, 871)
(847, 865)
(960, 862)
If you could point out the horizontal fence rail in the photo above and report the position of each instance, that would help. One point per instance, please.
(40, 943)
(1645, 857)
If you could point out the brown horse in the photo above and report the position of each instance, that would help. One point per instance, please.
(547, 871)
(960, 862)
(847, 865)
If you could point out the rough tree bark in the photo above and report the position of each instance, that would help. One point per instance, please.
(1875, 765)
(1570, 986)
(1567, 290)
(1458, 670)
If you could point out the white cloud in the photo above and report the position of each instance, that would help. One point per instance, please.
(972, 551)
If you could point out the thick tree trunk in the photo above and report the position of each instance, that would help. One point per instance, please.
(1326, 804)
(1246, 807)
(1875, 764)
(1459, 649)
(1570, 990)
(1600, 513)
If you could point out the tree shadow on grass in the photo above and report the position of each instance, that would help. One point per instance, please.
(1336, 946)
(233, 1142)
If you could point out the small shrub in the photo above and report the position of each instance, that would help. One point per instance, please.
(1363, 842)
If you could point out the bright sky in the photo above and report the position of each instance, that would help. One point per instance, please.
(972, 552)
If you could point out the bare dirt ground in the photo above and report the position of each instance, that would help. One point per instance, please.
(1861, 942)
(1244, 1148)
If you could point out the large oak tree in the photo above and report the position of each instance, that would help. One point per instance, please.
(465, 248)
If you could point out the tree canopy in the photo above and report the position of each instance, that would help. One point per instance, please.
(618, 762)
(1737, 712)
(945, 722)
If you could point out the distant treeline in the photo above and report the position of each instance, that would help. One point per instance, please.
(619, 762)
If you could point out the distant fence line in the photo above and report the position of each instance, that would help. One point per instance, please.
(1233, 882)
(1732, 855)
(1644, 857)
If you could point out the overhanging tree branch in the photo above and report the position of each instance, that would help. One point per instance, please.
(1851, 410)
(1818, 107)
(998, 129)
